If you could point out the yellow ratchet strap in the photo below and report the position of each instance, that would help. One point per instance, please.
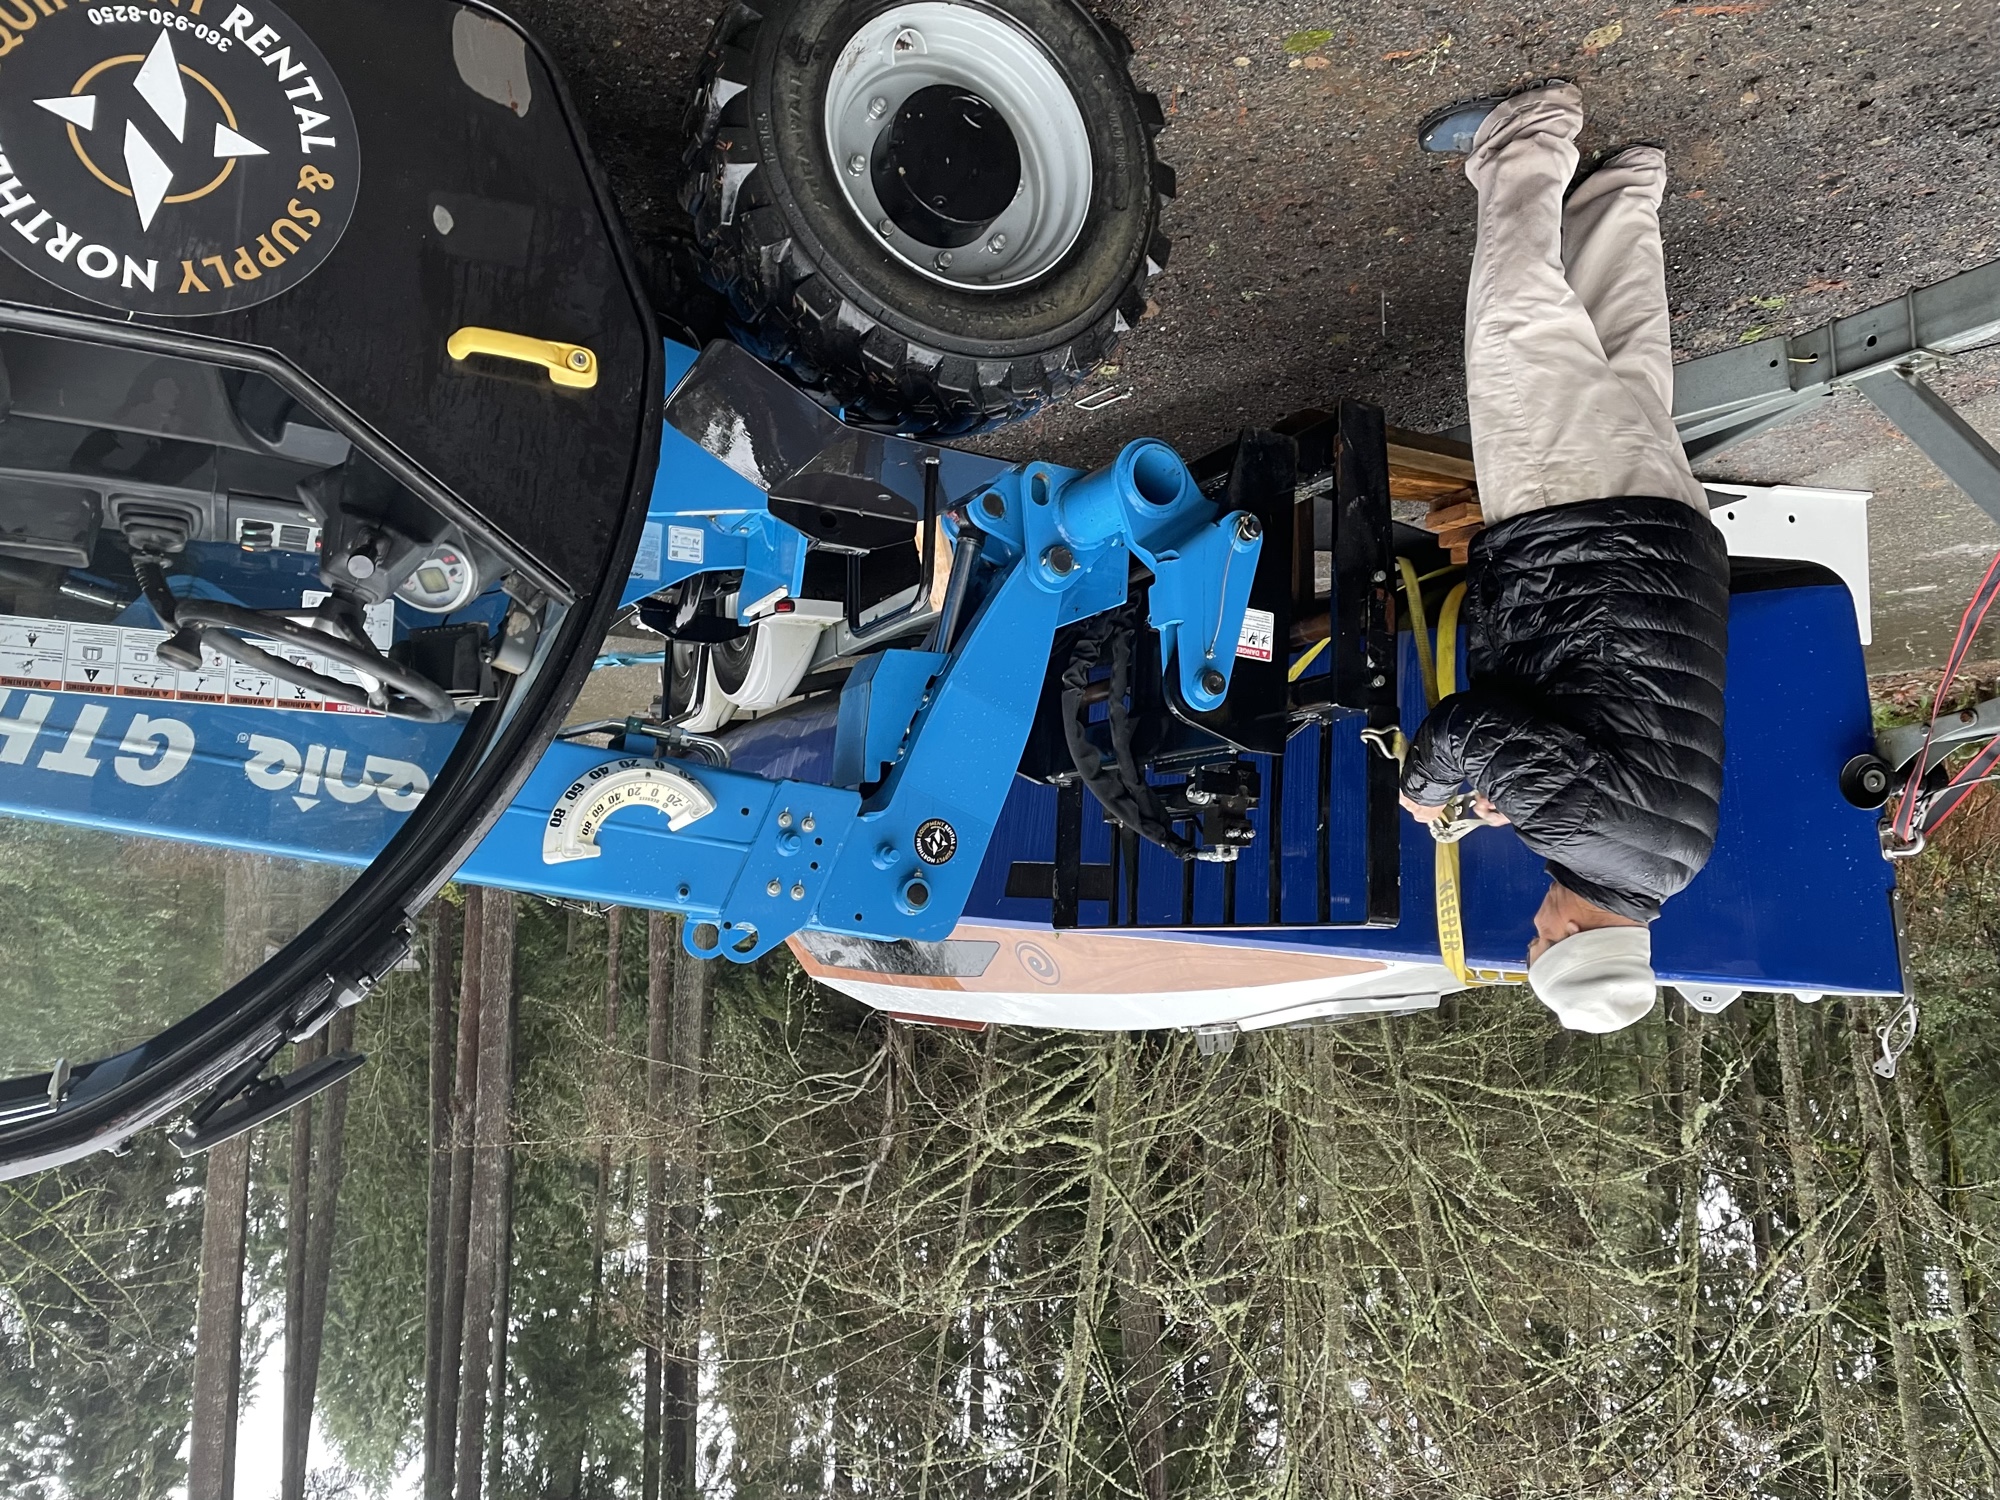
(1439, 685)
(1299, 666)
(1450, 913)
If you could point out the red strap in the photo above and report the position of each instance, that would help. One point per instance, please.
(1973, 773)
(1968, 629)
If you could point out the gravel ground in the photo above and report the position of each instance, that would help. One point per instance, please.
(1828, 155)
(1928, 543)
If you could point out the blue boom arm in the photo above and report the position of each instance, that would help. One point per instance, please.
(887, 847)
(928, 741)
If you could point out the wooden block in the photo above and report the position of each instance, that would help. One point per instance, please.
(1406, 484)
(1422, 453)
(1448, 517)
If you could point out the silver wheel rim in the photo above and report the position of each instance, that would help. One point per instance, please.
(913, 47)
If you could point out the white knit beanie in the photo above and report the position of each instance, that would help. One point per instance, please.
(1598, 981)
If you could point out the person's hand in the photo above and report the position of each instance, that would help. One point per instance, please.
(1490, 815)
(1422, 812)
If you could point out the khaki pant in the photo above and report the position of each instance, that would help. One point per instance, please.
(1568, 351)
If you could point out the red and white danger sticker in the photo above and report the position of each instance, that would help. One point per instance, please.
(1259, 625)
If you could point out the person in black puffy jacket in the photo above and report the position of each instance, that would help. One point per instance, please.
(1598, 595)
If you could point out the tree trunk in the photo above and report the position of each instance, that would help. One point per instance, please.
(437, 1223)
(614, 935)
(1974, 1391)
(661, 961)
(941, 1391)
(1333, 1426)
(1141, 1318)
(503, 1311)
(1687, 1249)
(458, 1227)
(296, 1422)
(1889, 1236)
(681, 1347)
(979, 1481)
(1215, 1374)
(600, 1198)
(1435, 1306)
(305, 1333)
(1139, 1335)
(253, 898)
(1750, 1100)
(492, 1101)
(1089, 1279)
(1805, 1200)
(218, 1337)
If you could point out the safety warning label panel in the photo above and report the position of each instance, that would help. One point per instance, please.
(123, 661)
(1259, 628)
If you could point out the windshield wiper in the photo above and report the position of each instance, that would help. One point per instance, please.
(259, 1100)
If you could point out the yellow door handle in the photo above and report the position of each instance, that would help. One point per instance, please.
(568, 364)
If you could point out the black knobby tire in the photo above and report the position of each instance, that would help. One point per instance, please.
(812, 290)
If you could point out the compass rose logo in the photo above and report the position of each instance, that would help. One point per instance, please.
(157, 103)
(163, 161)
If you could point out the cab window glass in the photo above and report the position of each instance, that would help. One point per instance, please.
(112, 938)
(226, 634)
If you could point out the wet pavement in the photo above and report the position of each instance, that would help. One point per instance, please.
(1827, 156)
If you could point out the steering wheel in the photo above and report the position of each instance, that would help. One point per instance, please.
(404, 694)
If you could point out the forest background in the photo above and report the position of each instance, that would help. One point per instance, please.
(600, 1221)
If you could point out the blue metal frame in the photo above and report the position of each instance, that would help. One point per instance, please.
(925, 753)
(926, 740)
(1796, 896)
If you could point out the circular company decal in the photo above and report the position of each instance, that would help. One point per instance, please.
(937, 842)
(1036, 961)
(189, 157)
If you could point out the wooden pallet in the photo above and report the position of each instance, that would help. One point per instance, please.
(1437, 472)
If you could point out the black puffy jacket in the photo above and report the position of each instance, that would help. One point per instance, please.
(1597, 635)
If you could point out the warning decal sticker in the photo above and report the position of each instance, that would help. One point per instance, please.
(1259, 626)
(60, 656)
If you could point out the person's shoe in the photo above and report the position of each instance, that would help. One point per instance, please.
(1602, 159)
(1450, 129)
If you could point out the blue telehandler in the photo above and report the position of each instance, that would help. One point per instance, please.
(338, 433)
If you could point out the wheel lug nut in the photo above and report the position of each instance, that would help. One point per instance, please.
(877, 107)
(943, 262)
(857, 164)
(996, 244)
(886, 228)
